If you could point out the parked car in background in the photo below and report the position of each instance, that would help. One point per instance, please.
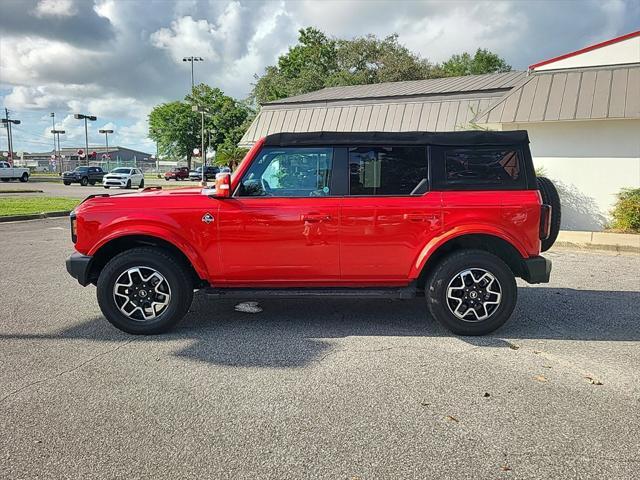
(124, 177)
(178, 173)
(209, 173)
(8, 172)
(454, 217)
(83, 175)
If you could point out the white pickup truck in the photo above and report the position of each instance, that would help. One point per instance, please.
(7, 172)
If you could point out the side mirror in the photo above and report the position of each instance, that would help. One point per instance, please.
(223, 185)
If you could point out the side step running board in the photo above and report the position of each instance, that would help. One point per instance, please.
(397, 293)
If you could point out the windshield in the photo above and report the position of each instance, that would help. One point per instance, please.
(81, 169)
(122, 170)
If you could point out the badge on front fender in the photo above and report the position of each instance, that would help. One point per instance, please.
(207, 218)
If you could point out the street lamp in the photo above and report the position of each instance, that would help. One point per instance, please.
(84, 117)
(203, 111)
(192, 59)
(106, 138)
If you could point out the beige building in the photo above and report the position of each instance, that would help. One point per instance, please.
(582, 111)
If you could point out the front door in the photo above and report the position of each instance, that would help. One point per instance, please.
(281, 226)
(389, 215)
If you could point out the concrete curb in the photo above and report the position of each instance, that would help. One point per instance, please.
(35, 216)
(616, 242)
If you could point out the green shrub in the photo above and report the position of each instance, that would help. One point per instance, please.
(626, 212)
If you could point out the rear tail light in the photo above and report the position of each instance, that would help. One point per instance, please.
(74, 227)
(545, 221)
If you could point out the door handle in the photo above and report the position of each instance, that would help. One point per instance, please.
(315, 218)
(420, 217)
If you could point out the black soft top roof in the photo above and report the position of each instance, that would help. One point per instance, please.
(473, 137)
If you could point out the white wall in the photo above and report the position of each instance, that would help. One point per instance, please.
(593, 159)
(625, 51)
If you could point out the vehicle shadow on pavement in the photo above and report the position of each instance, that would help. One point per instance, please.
(297, 332)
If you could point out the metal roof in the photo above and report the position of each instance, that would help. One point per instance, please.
(432, 116)
(437, 105)
(447, 85)
(572, 94)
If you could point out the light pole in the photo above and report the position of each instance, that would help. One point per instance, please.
(53, 127)
(106, 139)
(203, 152)
(81, 116)
(56, 133)
(192, 59)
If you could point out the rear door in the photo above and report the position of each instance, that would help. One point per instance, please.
(281, 226)
(389, 214)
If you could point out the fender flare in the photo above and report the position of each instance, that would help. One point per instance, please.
(435, 243)
(161, 233)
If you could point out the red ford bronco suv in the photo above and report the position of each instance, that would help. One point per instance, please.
(451, 216)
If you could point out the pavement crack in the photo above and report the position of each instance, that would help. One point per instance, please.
(64, 372)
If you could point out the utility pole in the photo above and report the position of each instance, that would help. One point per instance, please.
(53, 127)
(192, 59)
(7, 121)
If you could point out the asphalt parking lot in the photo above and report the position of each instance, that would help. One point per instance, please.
(75, 190)
(317, 388)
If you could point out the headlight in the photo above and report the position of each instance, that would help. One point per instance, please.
(74, 227)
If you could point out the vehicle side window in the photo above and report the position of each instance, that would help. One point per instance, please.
(289, 172)
(388, 170)
(478, 167)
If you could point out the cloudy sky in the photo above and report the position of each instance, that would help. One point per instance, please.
(117, 58)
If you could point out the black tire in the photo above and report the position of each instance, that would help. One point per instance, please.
(25, 177)
(141, 184)
(106, 187)
(550, 196)
(168, 266)
(67, 183)
(447, 269)
(128, 184)
(84, 181)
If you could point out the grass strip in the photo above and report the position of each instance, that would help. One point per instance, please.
(33, 205)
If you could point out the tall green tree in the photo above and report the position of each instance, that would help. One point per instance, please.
(483, 61)
(175, 128)
(318, 61)
(178, 129)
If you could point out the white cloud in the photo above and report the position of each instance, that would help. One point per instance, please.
(55, 8)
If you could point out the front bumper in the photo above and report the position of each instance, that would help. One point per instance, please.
(114, 182)
(78, 266)
(536, 270)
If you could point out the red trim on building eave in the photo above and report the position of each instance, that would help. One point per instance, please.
(586, 49)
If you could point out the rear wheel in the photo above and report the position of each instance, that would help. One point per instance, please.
(550, 196)
(471, 292)
(144, 291)
(84, 182)
(25, 177)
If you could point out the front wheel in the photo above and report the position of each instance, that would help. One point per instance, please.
(25, 177)
(471, 292)
(67, 183)
(144, 291)
(84, 182)
(141, 184)
(128, 184)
